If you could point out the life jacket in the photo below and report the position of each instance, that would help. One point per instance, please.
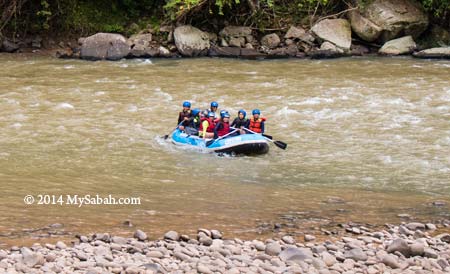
(210, 127)
(255, 125)
(237, 123)
(182, 115)
(223, 129)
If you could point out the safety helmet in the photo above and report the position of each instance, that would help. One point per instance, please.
(195, 111)
(186, 104)
(224, 114)
(211, 114)
(243, 112)
(256, 111)
(205, 113)
(214, 104)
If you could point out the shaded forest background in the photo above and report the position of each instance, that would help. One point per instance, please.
(20, 18)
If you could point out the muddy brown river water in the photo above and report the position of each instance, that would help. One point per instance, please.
(368, 139)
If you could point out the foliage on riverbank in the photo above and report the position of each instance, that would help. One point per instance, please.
(82, 17)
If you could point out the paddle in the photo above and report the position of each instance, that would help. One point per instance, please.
(167, 135)
(210, 142)
(279, 144)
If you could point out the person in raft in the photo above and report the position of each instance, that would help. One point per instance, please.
(214, 107)
(223, 126)
(185, 116)
(256, 123)
(241, 121)
(207, 126)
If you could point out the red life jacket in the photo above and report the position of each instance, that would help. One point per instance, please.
(210, 127)
(255, 125)
(224, 129)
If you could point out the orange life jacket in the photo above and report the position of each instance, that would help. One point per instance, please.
(255, 125)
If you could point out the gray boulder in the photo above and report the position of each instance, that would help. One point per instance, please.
(30, 258)
(443, 53)
(336, 31)
(109, 46)
(191, 41)
(270, 40)
(9, 46)
(363, 27)
(404, 45)
(294, 33)
(294, 254)
(141, 46)
(394, 18)
(273, 249)
(399, 245)
(357, 254)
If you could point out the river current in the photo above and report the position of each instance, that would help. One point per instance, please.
(368, 139)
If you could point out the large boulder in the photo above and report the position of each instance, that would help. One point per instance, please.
(363, 27)
(443, 52)
(9, 46)
(394, 18)
(404, 45)
(109, 46)
(336, 31)
(141, 45)
(270, 41)
(191, 41)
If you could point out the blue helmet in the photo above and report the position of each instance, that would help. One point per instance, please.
(211, 114)
(256, 111)
(186, 104)
(214, 104)
(195, 111)
(243, 112)
(224, 114)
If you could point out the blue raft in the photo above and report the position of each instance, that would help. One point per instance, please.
(248, 144)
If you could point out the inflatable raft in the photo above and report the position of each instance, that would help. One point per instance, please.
(248, 144)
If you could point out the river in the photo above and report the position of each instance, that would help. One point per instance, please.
(368, 139)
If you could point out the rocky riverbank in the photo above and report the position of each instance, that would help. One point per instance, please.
(408, 248)
(381, 27)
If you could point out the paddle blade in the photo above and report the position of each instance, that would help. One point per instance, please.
(268, 136)
(280, 144)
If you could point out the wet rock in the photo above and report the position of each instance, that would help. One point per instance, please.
(294, 254)
(109, 46)
(399, 245)
(336, 31)
(273, 249)
(171, 236)
(231, 52)
(404, 45)
(252, 54)
(443, 53)
(191, 41)
(270, 41)
(140, 235)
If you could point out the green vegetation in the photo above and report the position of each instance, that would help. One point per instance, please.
(82, 17)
